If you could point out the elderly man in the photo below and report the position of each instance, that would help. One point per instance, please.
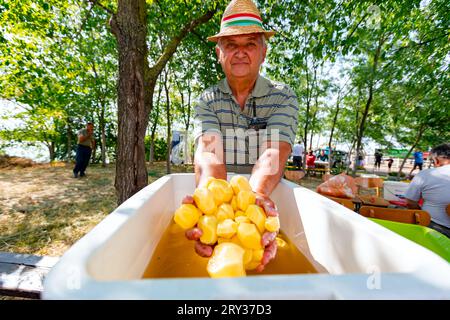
(246, 123)
(433, 185)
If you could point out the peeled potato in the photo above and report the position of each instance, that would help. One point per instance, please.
(208, 225)
(245, 198)
(227, 228)
(239, 183)
(242, 219)
(221, 191)
(257, 216)
(272, 224)
(281, 244)
(186, 216)
(227, 261)
(204, 199)
(225, 211)
(249, 236)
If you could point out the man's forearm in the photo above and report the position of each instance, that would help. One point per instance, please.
(209, 159)
(269, 168)
(207, 165)
(412, 204)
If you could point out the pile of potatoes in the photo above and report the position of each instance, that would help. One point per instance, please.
(230, 227)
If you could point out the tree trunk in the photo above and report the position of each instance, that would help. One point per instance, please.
(101, 120)
(151, 155)
(51, 150)
(69, 142)
(135, 89)
(169, 124)
(103, 137)
(422, 129)
(350, 156)
(313, 123)
(134, 97)
(330, 154)
(368, 103)
(309, 87)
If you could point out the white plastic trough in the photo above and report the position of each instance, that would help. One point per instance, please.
(360, 259)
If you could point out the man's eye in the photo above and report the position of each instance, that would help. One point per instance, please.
(231, 46)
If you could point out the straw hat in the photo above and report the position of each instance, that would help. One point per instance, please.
(241, 17)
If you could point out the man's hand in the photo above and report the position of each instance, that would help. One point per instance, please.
(268, 239)
(269, 168)
(267, 204)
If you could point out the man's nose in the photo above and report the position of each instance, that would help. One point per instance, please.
(241, 51)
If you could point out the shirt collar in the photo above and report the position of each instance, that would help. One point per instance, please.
(261, 89)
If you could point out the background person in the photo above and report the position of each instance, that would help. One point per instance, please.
(390, 161)
(297, 155)
(310, 160)
(86, 144)
(418, 161)
(378, 157)
(433, 186)
(322, 156)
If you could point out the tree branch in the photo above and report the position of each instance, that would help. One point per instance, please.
(97, 2)
(173, 44)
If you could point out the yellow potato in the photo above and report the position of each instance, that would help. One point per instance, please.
(225, 211)
(209, 180)
(236, 240)
(242, 219)
(272, 224)
(281, 244)
(221, 191)
(239, 213)
(222, 240)
(251, 265)
(204, 199)
(187, 216)
(249, 236)
(208, 224)
(239, 183)
(256, 215)
(257, 255)
(245, 198)
(248, 255)
(226, 228)
(234, 203)
(226, 261)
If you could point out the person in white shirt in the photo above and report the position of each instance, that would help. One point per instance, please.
(297, 155)
(433, 185)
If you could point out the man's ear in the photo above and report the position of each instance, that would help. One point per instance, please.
(218, 53)
(264, 54)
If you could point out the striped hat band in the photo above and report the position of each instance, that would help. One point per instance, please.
(241, 19)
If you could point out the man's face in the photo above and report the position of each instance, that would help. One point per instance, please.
(90, 128)
(241, 56)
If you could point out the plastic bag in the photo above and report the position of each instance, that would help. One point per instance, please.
(340, 186)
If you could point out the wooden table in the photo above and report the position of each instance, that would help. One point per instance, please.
(373, 201)
(22, 275)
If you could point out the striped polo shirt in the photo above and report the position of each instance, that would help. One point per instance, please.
(274, 103)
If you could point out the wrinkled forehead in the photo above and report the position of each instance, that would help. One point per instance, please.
(243, 38)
